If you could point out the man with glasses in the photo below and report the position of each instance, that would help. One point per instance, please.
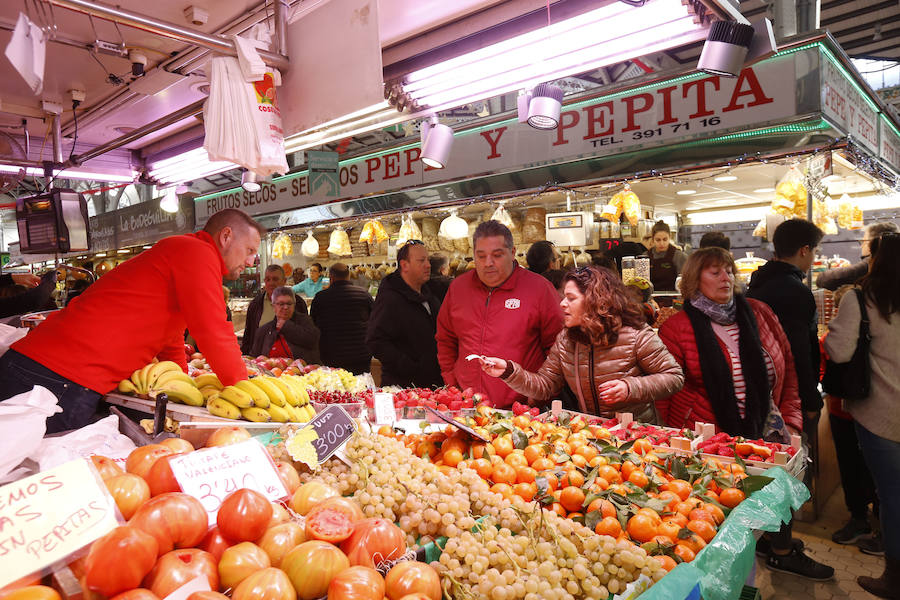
(290, 334)
(832, 279)
(499, 309)
(260, 309)
(401, 330)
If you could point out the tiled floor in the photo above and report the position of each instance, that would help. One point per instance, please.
(848, 562)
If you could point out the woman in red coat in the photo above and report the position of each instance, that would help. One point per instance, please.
(746, 371)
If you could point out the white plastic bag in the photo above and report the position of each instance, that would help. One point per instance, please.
(101, 438)
(10, 335)
(242, 120)
(23, 423)
(310, 246)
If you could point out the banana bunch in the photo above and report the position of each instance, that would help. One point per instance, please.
(261, 399)
(163, 377)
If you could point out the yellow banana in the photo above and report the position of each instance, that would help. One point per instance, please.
(309, 412)
(260, 398)
(209, 392)
(168, 376)
(270, 390)
(292, 413)
(208, 380)
(186, 393)
(139, 379)
(157, 369)
(222, 408)
(279, 414)
(127, 387)
(289, 394)
(302, 395)
(236, 396)
(256, 414)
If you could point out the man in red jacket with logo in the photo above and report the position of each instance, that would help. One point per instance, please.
(135, 313)
(499, 309)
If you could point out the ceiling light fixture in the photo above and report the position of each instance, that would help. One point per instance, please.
(686, 192)
(764, 190)
(70, 174)
(724, 178)
(375, 117)
(726, 48)
(187, 166)
(540, 107)
(169, 201)
(248, 181)
(607, 35)
(437, 140)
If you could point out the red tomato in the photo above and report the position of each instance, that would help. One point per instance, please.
(225, 436)
(244, 516)
(119, 560)
(328, 525)
(160, 477)
(136, 594)
(239, 561)
(357, 583)
(281, 539)
(177, 445)
(267, 584)
(308, 495)
(207, 596)
(214, 543)
(176, 521)
(129, 491)
(141, 459)
(31, 592)
(27, 581)
(107, 467)
(279, 515)
(374, 541)
(346, 505)
(311, 566)
(417, 595)
(176, 568)
(410, 577)
(289, 476)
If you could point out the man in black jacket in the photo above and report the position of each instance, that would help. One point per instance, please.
(291, 334)
(260, 309)
(341, 312)
(35, 298)
(403, 324)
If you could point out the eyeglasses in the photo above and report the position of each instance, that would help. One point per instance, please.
(413, 243)
(283, 304)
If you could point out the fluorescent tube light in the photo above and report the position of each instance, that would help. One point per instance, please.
(70, 174)
(194, 164)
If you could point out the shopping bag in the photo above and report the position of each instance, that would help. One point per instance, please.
(10, 335)
(23, 423)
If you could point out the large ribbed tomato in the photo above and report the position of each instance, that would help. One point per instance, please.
(281, 539)
(107, 467)
(239, 561)
(267, 584)
(30, 592)
(244, 516)
(176, 520)
(328, 525)
(308, 495)
(311, 566)
(357, 583)
(176, 568)
(129, 491)
(289, 476)
(410, 577)
(119, 560)
(374, 541)
(136, 594)
(225, 436)
(160, 477)
(214, 543)
(348, 506)
(142, 458)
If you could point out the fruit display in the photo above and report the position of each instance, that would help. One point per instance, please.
(757, 450)
(334, 380)
(261, 399)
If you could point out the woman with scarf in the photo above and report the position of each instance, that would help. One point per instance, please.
(745, 383)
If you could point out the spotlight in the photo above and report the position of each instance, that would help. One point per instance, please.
(726, 48)
(876, 36)
(169, 202)
(437, 140)
(248, 181)
(540, 107)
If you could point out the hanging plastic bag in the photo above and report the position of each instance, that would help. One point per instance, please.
(790, 195)
(339, 243)
(612, 211)
(373, 232)
(454, 227)
(822, 219)
(23, 423)
(501, 215)
(760, 229)
(856, 220)
(310, 246)
(408, 230)
(282, 246)
(242, 120)
(631, 205)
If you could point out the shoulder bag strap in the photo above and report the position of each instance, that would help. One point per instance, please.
(863, 317)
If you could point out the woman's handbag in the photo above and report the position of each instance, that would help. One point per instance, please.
(851, 380)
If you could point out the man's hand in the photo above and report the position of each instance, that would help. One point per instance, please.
(26, 279)
(492, 366)
(613, 391)
(279, 323)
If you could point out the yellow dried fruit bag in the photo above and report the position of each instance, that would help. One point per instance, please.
(612, 211)
(631, 205)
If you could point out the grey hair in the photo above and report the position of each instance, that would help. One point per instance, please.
(283, 291)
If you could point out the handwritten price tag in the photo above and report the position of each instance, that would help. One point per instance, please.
(46, 517)
(334, 427)
(385, 413)
(211, 474)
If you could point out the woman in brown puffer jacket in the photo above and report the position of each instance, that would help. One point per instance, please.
(607, 354)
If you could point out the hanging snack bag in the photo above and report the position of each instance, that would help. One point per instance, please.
(310, 246)
(790, 195)
(856, 221)
(502, 215)
(339, 243)
(373, 232)
(631, 205)
(760, 229)
(845, 212)
(612, 211)
(408, 230)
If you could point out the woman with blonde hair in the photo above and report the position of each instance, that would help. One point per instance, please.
(606, 353)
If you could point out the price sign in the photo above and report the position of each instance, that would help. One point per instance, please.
(334, 427)
(211, 474)
(46, 517)
(385, 413)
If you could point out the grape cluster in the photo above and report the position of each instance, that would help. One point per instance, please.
(495, 548)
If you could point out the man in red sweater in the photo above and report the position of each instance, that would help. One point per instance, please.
(497, 309)
(135, 313)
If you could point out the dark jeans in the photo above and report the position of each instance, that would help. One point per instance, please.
(19, 374)
(883, 458)
(859, 490)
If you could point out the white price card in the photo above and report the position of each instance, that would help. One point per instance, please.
(385, 413)
(46, 517)
(211, 474)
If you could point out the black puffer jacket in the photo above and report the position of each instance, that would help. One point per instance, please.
(342, 313)
(299, 332)
(401, 334)
(254, 313)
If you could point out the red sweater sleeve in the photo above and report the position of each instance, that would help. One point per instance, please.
(198, 289)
